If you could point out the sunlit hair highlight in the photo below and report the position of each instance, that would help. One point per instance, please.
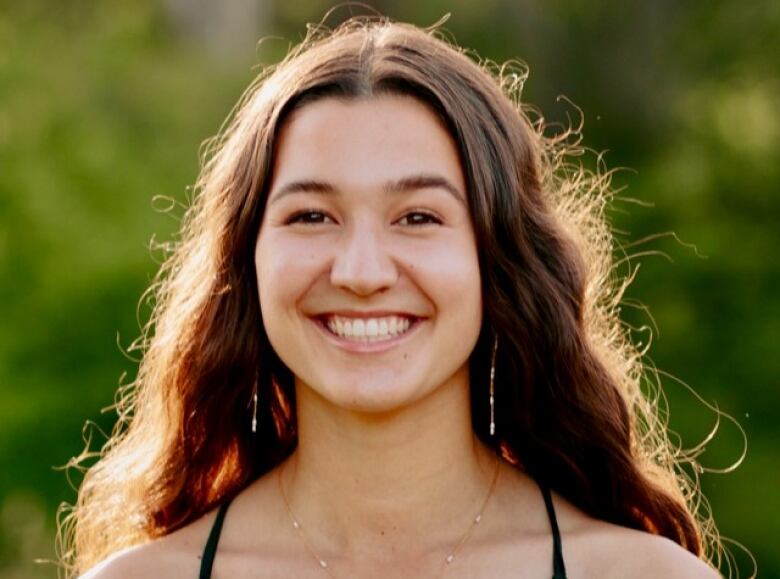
(569, 401)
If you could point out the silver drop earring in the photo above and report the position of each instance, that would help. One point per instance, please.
(492, 388)
(254, 409)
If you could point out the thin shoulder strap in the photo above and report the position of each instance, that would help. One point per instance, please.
(210, 551)
(559, 569)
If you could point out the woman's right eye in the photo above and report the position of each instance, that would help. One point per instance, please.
(308, 216)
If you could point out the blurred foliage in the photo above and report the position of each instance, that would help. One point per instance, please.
(103, 106)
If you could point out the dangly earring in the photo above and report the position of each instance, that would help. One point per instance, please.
(254, 409)
(492, 388)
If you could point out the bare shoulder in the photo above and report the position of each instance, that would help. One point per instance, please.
(178, 555)
(594, 548)
(132, 563)
(175, 555)
(643, 555)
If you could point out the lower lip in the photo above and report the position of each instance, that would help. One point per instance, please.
(367, 347)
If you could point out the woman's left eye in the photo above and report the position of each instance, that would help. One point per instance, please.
(419, 218)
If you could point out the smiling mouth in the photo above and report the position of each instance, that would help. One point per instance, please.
(368, 330)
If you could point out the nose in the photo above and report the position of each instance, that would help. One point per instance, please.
(363, 263)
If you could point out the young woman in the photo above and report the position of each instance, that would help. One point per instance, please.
(387, 346)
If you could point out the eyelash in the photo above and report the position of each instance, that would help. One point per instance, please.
(299, 215)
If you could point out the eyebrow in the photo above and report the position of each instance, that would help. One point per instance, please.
(403, 185)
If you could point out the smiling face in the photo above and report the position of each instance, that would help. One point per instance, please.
(366, 258)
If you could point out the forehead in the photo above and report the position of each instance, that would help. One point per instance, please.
(364, 142)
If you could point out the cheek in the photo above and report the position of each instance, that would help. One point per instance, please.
(469, 296)
(284, 270)
(450, 274)
(466, 292)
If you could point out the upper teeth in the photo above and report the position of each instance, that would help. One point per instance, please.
(370, 329)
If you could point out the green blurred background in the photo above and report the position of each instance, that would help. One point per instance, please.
(103, 106)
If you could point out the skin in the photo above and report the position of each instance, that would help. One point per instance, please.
(388, 474)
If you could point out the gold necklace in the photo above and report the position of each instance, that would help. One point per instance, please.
(447, 560)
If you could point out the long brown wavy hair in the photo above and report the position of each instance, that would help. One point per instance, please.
(570, 409)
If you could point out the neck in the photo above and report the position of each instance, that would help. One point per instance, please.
(383, 484)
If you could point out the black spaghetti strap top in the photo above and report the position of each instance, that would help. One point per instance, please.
(559, 569)
(210, 551)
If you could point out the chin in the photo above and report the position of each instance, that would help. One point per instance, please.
(368, 398)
